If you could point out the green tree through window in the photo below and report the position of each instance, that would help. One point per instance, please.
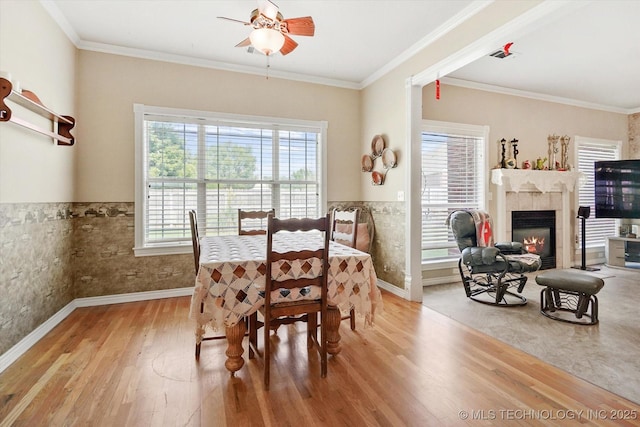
(217, 163)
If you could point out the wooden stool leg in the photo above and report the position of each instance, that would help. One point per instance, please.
(235, 334)
(333, 335)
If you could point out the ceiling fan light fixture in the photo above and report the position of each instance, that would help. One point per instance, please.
(267, 40)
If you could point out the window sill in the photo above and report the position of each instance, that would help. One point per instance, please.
(440, 264)
(168, 249)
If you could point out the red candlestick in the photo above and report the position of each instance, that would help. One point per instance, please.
(437, 89)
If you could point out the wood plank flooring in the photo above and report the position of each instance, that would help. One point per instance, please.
(133, 365)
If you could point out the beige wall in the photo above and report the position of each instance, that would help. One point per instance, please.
(36, 176)
(109, 85)
(384, 103)
(39, 55)
(384, 107)
(528, 120)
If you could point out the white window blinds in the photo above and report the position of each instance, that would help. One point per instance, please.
(217, 166)
(588, 152)
(453, 177)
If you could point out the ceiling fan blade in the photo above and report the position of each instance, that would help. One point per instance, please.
(268, 9)
(234, 20)
(303, 26)
(245, 42)
(289, 45)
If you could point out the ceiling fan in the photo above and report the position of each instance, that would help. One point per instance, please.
(271, 31)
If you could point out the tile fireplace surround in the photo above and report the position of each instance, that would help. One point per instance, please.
(533, 190)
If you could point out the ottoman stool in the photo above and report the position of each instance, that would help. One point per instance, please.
(569, 292)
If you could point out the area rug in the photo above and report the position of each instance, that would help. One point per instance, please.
(606, 354)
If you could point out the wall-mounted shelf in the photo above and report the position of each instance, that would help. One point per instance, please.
(62, 125)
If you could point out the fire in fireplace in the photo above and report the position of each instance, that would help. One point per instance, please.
(536, 230)
(534, 244)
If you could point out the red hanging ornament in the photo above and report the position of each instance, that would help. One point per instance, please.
(506, 48)
(437, 89)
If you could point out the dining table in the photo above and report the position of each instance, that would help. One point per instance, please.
(230, 284)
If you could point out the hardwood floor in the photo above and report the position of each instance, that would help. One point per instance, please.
(133, 365)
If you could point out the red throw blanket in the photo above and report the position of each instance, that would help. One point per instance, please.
(484, 228)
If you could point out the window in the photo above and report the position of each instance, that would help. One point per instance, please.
(453, 177)
(216, 163)
(588, 151)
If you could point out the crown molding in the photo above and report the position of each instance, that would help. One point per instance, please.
(66, 27)
(445, 28)
(533, 95)
(206, 63)
(520, 25)
(62, 22)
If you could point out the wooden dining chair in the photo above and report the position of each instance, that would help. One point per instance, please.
(256, 219)
(344, 230)
(288, 275)
(195, 240)
(344, 226)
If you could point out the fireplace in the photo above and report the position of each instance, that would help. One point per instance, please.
(536, 230)
(534, 190)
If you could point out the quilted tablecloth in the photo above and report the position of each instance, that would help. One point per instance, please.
(230, 281)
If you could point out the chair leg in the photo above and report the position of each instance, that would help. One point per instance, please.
(583, 305)
(550, 304)
(557, 302)
(267, 352)
(199, 333)
(465, 280)
(323, 346)
(312, 329)
(352, 319)
(253, 334)
(501, 288)
(523, 281)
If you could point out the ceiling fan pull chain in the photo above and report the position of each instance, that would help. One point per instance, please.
(268, 66)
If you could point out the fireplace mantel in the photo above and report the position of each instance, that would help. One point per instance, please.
(544, 181)
(562, 183)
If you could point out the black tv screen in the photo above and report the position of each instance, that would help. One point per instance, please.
(617, 189)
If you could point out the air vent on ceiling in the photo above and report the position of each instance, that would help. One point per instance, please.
(500, 54)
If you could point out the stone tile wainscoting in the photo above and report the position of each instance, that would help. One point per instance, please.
(36, 279)
(52, 253)
(388, 249)
(634, 136)
(104, 263)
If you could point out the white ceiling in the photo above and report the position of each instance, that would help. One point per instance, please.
(591, 55)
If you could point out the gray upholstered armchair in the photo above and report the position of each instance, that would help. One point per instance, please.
(489, 270)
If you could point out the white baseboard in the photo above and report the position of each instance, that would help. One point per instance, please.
(30, 340)
(441, 280)
(38, 333)
(402, 293)
(132, 297)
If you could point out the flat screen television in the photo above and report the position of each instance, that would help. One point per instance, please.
(617, 189)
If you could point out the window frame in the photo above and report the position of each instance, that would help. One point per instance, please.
(605, 143)
(476, 131)
(143, 112)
